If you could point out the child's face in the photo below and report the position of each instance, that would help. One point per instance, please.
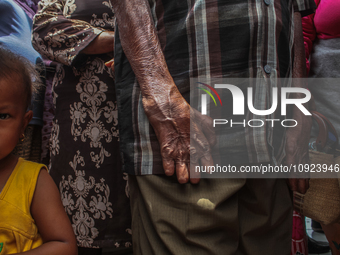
(13, 115)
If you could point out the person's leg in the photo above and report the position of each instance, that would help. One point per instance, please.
(265, 209)
(172, 218)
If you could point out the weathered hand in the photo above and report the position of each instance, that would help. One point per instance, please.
(172, 120)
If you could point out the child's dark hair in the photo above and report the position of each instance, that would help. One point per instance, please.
(14, 66)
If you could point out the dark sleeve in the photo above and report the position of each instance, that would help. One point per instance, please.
(305, 7)
(58, 37)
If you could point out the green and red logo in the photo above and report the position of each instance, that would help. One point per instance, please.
(209, 93)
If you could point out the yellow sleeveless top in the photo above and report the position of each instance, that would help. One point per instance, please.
(18, 232)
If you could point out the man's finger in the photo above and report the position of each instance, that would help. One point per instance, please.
(195, 175)
(169, 166)
(182, 172)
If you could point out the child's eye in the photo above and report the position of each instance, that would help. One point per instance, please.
(4, 116)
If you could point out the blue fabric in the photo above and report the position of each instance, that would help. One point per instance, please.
(15, 31)
(30, 7)
(15, 35)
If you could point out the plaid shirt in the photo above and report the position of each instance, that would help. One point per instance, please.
(211, 39)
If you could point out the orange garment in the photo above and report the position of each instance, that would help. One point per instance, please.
(18, 232)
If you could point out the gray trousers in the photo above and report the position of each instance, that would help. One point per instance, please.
(216, 216)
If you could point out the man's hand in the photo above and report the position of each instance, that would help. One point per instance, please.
(181, 132)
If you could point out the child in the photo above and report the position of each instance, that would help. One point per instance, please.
(32, 217)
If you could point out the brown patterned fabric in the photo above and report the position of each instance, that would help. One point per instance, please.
(85, 156)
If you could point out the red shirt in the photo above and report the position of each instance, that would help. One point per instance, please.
(324, 24)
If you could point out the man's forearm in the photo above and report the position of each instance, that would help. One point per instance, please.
(142, 48)
(168, 112)
(166, 109)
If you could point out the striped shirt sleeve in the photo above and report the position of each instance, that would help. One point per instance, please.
(305, 7)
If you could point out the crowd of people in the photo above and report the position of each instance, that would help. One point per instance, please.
(105, 89)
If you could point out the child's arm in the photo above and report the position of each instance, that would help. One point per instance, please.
(51, 220)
